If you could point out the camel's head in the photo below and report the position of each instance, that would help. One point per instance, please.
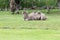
(25, 15)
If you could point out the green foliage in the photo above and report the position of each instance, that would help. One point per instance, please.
(51, 2)
(28, 3)
(4, 3)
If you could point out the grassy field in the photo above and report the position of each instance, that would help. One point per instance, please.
(7, 20)
(13, 27)
(29, 34)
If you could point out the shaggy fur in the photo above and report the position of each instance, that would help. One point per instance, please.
(34, 16)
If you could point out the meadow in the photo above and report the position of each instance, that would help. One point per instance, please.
(13, 27)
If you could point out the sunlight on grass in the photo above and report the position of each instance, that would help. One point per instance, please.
(13, 27)
(7, 20)
(29, 34)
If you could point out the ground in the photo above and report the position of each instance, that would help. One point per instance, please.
(7, 20)
(29, 34)
(13, 27)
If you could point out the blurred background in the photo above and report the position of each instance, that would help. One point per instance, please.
(32, 4)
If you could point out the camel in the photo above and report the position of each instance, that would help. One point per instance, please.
(34, 16)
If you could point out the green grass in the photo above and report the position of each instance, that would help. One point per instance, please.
(7, 20)
(13, 27)
(29, 34)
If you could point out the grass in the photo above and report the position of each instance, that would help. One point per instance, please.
(7, 20)
(27, 34)
(13, 27)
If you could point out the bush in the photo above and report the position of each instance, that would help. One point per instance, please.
(29, 3)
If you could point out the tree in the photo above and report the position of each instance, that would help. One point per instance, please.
(58, 1)
(50, 3)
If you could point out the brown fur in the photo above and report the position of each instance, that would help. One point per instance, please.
(43, 16)
(25, 15)
(34, 16)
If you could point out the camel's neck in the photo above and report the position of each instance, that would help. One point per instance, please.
(25, 16)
